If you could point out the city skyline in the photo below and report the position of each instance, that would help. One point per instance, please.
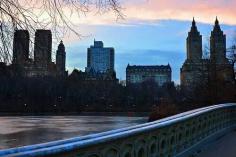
(159, 42)
(142, 31)
(164, 22)
(118, 78)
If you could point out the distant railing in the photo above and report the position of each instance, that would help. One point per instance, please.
(177, 135)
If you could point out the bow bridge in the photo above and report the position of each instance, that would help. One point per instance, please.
(180, 135)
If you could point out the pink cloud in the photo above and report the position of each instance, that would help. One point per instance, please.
(203, 10)
(148, 10)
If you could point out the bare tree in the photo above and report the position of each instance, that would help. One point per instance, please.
(206, 49)
(53, 14)
(231, 53)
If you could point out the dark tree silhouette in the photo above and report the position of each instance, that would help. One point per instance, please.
(206, 48)
(231, 54)
(53, 14)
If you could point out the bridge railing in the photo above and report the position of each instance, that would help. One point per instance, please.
(177, 135)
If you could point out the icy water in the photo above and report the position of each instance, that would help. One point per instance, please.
(26, 130)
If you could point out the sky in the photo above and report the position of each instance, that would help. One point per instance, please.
(153, 32)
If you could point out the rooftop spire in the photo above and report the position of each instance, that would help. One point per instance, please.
(193, 23)
(61, 46)
(194, 27)
(216, 22)
(217, 26)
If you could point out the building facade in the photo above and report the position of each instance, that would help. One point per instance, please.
(100, 59)
(43, 48)
(20, 47)
(198, 71)
(137, 74)
(41, 65)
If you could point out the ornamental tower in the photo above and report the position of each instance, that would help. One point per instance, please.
(61, 59)
(218, 44)
(194, 43)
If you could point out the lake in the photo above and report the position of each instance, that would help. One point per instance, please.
(18, 131)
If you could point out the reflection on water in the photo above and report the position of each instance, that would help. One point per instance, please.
(20, 131)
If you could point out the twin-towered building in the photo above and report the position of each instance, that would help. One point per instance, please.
(198, 71)
(41, 64)
(100, 59)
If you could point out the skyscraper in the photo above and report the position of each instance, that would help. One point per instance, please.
(61, 59)
(198, 71)
(20, 46)
(194, 44)
(218, 44)
(43, 47)
(41, 65)
(100, 59)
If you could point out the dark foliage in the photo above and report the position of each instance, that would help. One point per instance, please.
(73, 95)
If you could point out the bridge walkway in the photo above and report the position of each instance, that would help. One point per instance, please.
(224, 146)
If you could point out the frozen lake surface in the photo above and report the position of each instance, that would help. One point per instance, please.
(26, 130)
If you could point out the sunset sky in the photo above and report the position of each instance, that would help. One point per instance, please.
(153, 32)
